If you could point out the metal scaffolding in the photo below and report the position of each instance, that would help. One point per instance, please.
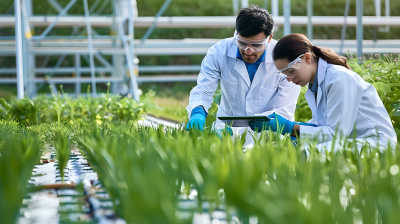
(27, 47)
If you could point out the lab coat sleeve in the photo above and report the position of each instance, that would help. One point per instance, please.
(312, 121)
(207, 82)
(344, 96)
(285, 100)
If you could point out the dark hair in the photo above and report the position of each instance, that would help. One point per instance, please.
(295, 44)
(253, 20)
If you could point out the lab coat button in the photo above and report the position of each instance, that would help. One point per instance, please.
(248, 99)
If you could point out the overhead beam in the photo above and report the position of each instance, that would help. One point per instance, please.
(199, 21)
(140, 79)
(184, 47)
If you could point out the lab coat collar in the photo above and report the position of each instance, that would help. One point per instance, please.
(313, 87)
(322, 66)
(259, 76)
(233, 50)
(240, 67)
(310, 96)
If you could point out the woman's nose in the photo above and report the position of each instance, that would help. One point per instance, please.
(289, 79)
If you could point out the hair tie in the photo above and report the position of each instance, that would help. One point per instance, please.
(313, 47)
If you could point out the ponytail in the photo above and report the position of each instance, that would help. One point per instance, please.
(330, 56)
(293, 45)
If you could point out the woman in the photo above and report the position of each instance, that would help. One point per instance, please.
(343, 105)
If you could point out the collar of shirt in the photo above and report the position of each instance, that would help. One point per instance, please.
(251, 67)
(313, 87)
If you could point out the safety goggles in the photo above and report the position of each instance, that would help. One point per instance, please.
(293, 68)
(255, 46)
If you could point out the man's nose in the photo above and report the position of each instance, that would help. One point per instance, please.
(248, 51)
(289, 79)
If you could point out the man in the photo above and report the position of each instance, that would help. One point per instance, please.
(244, 67)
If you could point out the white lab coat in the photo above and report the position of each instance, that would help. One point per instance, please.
(349, 105)
(269, 92)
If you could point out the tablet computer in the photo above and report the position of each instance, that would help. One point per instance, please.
(241, 121)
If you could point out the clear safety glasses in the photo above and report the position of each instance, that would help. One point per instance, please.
(255, 46)
(293, 68)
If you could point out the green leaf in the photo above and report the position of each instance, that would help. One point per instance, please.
(395, 105)
(380, 86)
(397, 113)
(393, 84)
(4, 103)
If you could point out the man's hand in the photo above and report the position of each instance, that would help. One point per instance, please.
(197, 119)
(227, 129)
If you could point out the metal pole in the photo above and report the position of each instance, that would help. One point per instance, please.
(25, 27)
(18, 49)
(387, 8)
(286, 13)
(377, 8)
(31, 62)
(153, 26)
(50, 27)
(387, 13)
(346, 13)
(266, 3)
(130, 28)
(245, 3)
(130, 22)
(55, 5)
(275, 11)
(78, 74)
(275, 8)
(89, 33)
(131, 34)
(360, 34)
(377, 4)
(310, 14)
(235, 4)
(129, 59)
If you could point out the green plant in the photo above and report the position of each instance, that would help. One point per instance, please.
(139, 176)
(274, 181)
(383, 72)
(23, 110)
(71, 103)
(62, 108)
(59, 137)
(58, 105)
(18, 154)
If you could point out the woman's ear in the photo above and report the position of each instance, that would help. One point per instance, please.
(307, 58)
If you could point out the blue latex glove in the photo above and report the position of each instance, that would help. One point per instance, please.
(226, 129)
(258, 125)
(277, 121)
(281, 123)
(294, 140)
(306, 124)
(197, 119)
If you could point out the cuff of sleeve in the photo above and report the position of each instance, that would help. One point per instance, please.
(199, 110)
